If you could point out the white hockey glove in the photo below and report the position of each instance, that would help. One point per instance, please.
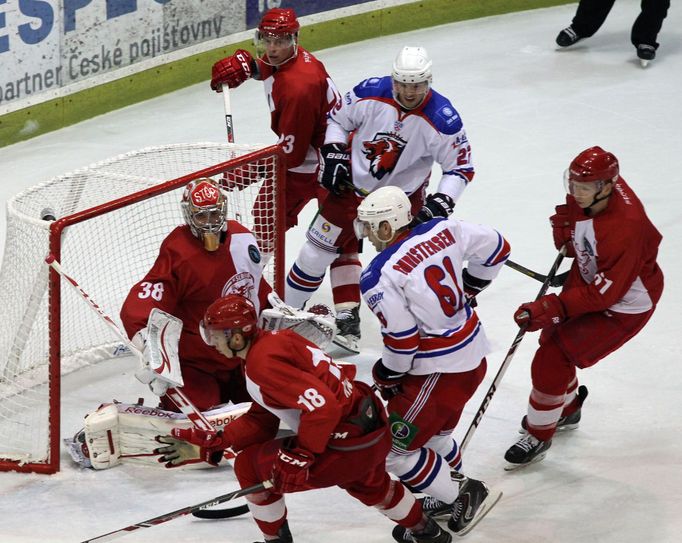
(158, 344)
(317, 325)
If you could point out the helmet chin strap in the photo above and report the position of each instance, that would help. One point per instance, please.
(596, 200)
(244, 350)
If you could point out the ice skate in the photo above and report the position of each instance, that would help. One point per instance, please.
(567, 37)
(526, 451)
(283, 535)
(569, 422)
(645, 53)
(474, 502)
(432, 533)
(348, 329)
(435, 508)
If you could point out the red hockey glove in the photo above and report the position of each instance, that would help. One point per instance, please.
(290, 470)
(386, 380)
(233, 70)
(546, 311)
(334, 173)
(241, 177)
(473, 287)
(561, 229)
(190, 446)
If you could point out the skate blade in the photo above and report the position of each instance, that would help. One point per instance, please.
(490, 502)
(347, 343)
(514, 467)
(562, 428)
(643, 62)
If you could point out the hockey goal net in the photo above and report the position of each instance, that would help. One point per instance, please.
(110, 220)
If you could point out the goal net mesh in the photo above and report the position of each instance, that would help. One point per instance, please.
(118, 211)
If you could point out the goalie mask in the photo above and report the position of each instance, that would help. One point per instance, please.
(276, 39)
(411, 77)
(205, 210)
(384, 204)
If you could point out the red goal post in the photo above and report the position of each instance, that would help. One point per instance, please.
(110, 220)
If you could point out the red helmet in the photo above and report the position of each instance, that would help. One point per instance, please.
(593, 164)
(278, 22)
(230, 312)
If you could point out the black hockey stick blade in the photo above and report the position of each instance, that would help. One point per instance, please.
(180, 512)
(556, 281)
(214, 514)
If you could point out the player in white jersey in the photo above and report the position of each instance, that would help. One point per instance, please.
(400, 127)
(434, 345)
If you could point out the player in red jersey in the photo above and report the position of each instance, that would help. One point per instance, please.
(610, 294)
(299, 93)
(198, 262)
(341, 432)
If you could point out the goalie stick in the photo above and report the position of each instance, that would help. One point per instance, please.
(180, 512)
(510, 354)
(556, 281)
(175, 394)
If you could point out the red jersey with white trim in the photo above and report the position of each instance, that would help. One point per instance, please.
(415, 288)
(395, 147)
(186, 278)
(300, 93)
(297, 383)
(615, 266)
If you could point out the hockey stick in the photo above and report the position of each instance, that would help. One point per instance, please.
(229, 512)
(510, 354)
(215, 514)
(181, 512)
(228, 114)
(175, 394)
(555, 281)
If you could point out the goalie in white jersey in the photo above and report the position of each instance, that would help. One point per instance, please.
(400, 126)
(434, 345)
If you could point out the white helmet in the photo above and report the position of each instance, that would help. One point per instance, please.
(412, 65)
(384, 204)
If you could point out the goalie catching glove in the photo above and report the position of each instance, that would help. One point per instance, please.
(317, 325)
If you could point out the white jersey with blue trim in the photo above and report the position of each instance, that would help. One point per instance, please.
(415, 288)
(395, 147)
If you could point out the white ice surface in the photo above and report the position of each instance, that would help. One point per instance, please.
(528, 110)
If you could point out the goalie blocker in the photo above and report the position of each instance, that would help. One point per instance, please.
(126, 433)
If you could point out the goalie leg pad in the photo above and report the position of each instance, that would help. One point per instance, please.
(119, 432)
